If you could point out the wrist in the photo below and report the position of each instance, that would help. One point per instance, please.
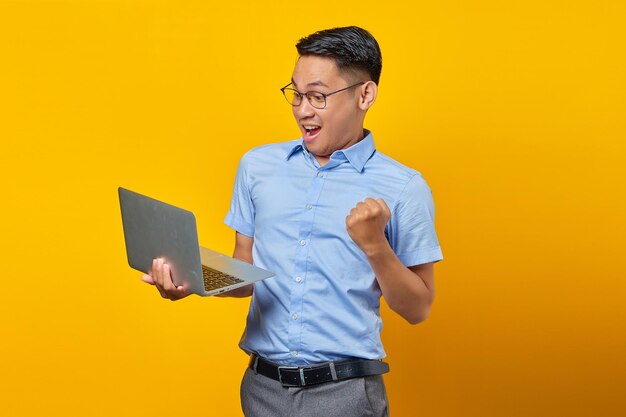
(377, 250)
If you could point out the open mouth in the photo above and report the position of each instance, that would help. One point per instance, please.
(310, 131)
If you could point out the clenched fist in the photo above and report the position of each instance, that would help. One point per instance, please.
(366, 224)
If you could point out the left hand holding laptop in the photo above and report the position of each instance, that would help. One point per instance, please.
(160, 277)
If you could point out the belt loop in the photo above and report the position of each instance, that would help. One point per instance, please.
(333, 373)
(256, 362)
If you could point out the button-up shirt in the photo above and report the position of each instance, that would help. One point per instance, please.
(324, 302)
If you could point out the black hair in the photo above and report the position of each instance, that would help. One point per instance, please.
(351, 48)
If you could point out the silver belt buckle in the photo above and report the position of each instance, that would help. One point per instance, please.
(291, 368)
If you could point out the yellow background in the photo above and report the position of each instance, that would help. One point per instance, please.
(513, 111)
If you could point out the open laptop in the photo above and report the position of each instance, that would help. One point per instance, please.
(153, 229)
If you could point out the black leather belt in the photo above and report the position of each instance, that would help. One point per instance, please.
(300, 376)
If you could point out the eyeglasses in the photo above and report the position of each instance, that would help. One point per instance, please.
(316, 99)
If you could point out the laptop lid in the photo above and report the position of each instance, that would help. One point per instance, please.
(154, 229)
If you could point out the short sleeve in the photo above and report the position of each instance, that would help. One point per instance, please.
(411, 229)
(241, 213)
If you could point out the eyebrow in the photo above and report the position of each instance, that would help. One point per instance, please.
(316, 83)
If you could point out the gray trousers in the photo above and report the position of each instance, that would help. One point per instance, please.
(357, 397)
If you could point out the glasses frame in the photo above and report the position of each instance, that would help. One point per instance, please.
(325, 95)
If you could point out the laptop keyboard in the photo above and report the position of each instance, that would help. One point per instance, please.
(215, 279)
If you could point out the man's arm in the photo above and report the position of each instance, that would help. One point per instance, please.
(161, 278)
(409, 291)
(243, 252)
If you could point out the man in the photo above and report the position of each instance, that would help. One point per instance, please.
(340, 224)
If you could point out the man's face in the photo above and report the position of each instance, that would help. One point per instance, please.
(340, 124)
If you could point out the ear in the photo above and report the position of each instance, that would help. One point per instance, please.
(367, 97)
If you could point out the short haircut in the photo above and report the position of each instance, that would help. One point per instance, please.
(351, 47)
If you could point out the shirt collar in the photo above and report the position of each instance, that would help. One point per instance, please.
(357, 154)
(297, 147)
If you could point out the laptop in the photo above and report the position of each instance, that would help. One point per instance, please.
(153, 229)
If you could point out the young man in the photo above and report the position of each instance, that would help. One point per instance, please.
(340, 224)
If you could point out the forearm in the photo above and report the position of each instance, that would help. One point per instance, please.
(240, 292)
(405, 291)
(243, 252)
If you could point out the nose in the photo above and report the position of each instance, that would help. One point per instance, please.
(304, 110)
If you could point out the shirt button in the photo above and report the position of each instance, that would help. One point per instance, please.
(294, 316)
(309, 206)
(302, 242)
(294, 353)
(320, 174)
(298, 279)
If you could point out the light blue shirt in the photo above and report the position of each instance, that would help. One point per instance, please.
(323, 304)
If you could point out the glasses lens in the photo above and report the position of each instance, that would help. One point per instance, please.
(316, 99)
(292, 96)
